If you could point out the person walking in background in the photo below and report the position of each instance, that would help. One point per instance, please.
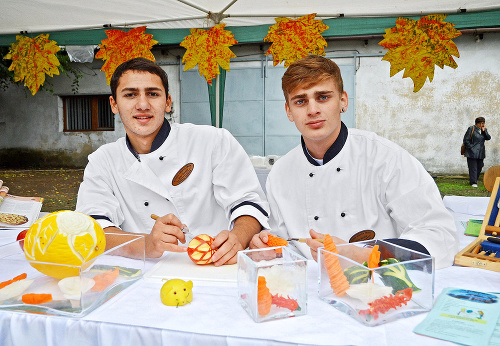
(475, 151)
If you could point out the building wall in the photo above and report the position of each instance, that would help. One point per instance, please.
(430, 124)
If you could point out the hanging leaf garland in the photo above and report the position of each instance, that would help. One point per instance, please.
(208, 49)
(32, 59)
(295, 39)
(121, 46)
(417, 45)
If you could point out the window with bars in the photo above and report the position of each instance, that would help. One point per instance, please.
(88, 113)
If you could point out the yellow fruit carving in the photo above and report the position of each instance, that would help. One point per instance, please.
(176, 292)
(200, 250)
(64, 237)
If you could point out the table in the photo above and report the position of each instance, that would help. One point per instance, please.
(137, 317)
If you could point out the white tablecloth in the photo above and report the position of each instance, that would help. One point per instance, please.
(137, 317)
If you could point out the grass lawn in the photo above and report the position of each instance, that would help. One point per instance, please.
(59, 187)
(458, 185)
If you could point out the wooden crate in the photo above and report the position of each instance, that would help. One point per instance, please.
(471, 255)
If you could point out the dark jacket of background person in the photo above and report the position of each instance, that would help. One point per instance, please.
(474, 147)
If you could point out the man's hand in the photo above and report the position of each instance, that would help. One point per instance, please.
(164, 236)
(229, 243)
(259, 240)
(314, 244)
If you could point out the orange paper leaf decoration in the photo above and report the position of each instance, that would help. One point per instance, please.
(208, 49)
(32, 59)
(121, 46)
(295, 39)
(417, 45)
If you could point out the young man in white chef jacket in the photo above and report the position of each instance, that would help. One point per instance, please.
(347, 181)
(189, 175)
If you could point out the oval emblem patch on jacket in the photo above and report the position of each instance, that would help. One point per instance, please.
(183, 174)
(366, 234)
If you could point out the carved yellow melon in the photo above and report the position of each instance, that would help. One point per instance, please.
(64, 237)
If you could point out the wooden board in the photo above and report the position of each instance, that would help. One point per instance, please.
(470, 256)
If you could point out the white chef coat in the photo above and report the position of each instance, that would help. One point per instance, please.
(122, 188)
(371, 183)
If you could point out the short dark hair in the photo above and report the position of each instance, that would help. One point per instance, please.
(309, 71)
(480, 120)
(138, 64)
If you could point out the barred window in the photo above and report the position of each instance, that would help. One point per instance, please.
(88, 113)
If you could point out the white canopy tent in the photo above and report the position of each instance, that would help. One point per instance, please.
(38, 16)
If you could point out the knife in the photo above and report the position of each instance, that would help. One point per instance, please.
(303, 240)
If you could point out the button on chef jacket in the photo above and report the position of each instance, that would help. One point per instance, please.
(365, 182)
(122, 188)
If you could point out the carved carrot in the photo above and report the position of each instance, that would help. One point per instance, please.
(17, 278)
(283, 302)
(264, 297)
(384, 304)
(338, 280)
(273, 241)
(105, 279)
(374, 259)
(36, 298)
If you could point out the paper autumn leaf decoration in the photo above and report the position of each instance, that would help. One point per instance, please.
(208, 49)
(295, 39)
(416, 46)
(121, 46)
(32, 59)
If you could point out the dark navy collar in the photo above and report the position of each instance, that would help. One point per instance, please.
(160, 138)
(332, 151)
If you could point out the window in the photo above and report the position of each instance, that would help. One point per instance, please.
(88, 113)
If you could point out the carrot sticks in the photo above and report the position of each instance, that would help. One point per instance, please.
(35, 298)
(17, 278)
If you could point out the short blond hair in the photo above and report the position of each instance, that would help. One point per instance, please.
(310, 71)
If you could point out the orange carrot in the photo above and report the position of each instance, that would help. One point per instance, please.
(273, 241)
(338, 280)
(105, 279)
(17, 278)
(34, 298)
(374, 258)
(264, 297)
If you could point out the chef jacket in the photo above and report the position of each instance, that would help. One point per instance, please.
(366, 182)
(199, 173)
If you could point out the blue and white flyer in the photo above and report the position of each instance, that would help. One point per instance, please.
(463, 316)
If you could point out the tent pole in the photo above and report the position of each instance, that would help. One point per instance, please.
(217, 101)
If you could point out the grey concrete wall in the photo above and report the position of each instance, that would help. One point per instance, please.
(431, 123)
(31, 127)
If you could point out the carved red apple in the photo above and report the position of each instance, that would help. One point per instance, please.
(20, 237)
(199, 249)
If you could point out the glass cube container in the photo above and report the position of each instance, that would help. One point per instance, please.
(402, 286)
(272, 283)
(94, 282)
